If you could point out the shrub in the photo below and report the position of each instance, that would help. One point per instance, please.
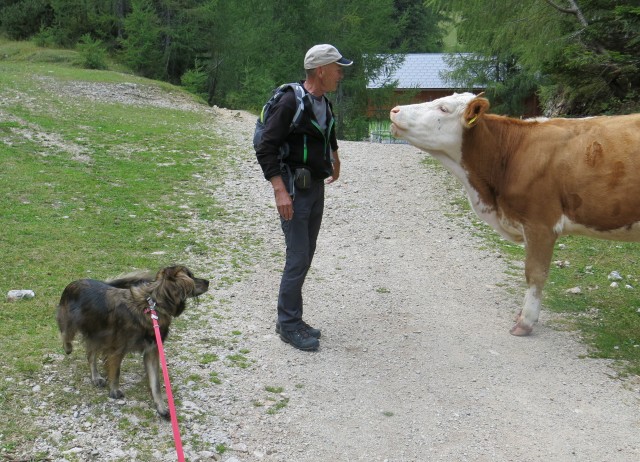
(93, 53)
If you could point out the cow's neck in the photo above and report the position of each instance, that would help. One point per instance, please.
(485, 154)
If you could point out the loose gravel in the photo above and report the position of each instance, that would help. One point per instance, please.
(415, 364)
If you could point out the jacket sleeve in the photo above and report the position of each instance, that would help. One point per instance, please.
(275, 133)
(332, 136)
(333, 140)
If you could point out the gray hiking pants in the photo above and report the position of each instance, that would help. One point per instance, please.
(300, 234)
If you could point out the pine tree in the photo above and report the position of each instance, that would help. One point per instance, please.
(580, 56)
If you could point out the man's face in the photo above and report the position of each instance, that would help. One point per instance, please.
(330, 75)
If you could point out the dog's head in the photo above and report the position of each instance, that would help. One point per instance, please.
(173, 285)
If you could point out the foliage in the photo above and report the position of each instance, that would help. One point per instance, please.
(581, 56)
(93, 53)
(195, 80)
(231, 58)
(21, 19)
(141, 49)
(507, 84)
(420, 29)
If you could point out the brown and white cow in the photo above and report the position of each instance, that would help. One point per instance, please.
(534, 180)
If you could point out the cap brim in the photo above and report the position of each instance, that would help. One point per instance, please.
(344, 62)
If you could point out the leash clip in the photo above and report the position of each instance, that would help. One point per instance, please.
(152, 309)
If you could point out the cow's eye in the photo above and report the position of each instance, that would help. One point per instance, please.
(443, 109)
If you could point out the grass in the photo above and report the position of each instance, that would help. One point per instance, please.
(278, 406)
(606, 318)
(89, 189)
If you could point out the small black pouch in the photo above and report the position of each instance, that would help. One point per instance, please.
(302, 178)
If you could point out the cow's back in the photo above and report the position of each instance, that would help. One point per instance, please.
(582, 174)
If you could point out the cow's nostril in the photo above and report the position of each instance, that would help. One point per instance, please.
(395, 110)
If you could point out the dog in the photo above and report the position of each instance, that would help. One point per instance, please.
(113, 318)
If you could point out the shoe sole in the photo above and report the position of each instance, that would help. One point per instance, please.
(286, 340)
(278, 332)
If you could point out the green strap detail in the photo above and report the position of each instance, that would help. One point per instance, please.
(305, 150)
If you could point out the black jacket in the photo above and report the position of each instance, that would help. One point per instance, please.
(319, 145)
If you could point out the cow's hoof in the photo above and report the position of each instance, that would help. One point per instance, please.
(520, 331)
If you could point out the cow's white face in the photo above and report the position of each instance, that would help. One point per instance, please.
(435, 126)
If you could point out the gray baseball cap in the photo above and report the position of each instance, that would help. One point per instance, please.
(321, 55)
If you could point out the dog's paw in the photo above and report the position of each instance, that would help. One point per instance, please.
(99, 382)
(116, 394)
(163, 411)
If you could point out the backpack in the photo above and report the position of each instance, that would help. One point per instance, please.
(264, 114)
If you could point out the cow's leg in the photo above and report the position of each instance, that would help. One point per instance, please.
(539, 251)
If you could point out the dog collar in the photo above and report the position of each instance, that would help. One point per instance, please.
(152, 308)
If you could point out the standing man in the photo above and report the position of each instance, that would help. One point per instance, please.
(297, 172)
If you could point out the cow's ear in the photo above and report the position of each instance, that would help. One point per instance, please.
(474, 111)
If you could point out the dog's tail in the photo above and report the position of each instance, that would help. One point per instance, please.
(68, 328)
(130, 280)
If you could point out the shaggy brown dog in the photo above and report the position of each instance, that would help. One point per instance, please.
(113, 320)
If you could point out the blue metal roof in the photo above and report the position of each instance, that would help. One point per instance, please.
(418, 70)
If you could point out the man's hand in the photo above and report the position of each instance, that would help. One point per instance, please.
(284, 203)
(336, 168)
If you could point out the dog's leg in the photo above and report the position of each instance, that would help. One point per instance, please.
(114, 361)
(152, 365)
(92, 357)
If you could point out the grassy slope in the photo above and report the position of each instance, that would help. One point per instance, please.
(87, 189)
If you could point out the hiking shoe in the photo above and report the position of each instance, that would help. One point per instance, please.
(299, 339)
(315, 333)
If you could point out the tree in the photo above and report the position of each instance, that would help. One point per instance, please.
(250, 55)
(21, 19)
(236, 52)
(419, 28)
(581, 56)
(141, 47)
(599, 68)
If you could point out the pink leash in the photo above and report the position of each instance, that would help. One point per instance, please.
(167, 383)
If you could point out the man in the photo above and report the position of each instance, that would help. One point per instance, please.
(298, 177)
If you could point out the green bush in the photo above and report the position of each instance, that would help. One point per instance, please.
(93, 54)
(196, 81)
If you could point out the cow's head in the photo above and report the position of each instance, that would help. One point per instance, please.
(437, 126)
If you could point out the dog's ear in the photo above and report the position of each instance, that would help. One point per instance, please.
(170, 272)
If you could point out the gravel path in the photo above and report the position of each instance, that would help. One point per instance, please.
(416, 362)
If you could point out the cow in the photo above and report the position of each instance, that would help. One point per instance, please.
(534, 180)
